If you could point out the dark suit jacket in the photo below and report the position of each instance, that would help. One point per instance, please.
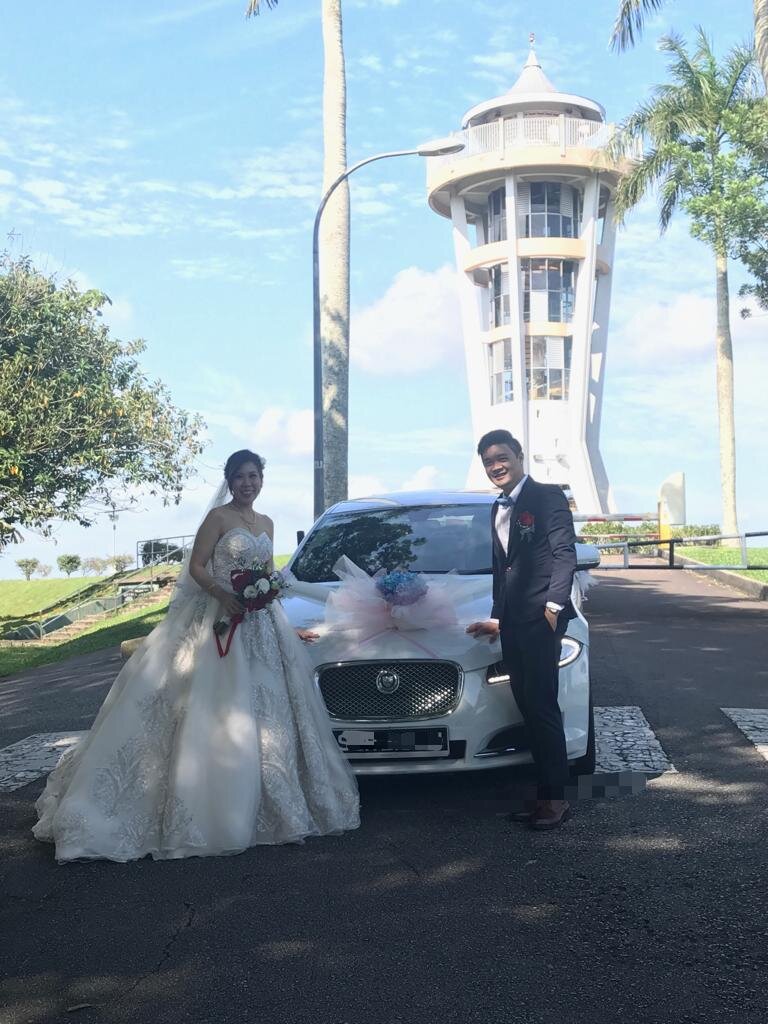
(541, 559)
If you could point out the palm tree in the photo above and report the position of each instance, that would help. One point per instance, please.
(690, 160)
(630, 19)
(334, 254)
(761, 37)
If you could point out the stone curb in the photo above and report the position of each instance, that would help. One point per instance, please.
(754, 588)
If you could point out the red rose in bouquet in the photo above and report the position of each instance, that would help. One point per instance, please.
(255, 588)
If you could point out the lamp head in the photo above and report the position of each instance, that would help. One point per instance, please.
(440, 147)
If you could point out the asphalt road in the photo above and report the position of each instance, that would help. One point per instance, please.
(643, 908)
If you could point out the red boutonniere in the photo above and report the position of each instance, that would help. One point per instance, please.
(526, 524)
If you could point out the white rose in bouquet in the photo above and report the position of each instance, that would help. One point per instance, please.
(262, 586)
(250, 591)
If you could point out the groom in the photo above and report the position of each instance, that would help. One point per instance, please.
(534, 559)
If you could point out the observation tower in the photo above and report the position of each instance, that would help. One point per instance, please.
(530, 198)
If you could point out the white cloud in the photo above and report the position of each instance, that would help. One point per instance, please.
(208, 267)
(664, 333)
(371, 62)
(363, 486)
(286, 432)
(424, 479)
(413, 327)
(183, 13)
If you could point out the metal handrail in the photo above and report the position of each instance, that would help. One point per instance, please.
(674, 542)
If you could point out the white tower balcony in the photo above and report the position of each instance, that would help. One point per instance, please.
(531, 202)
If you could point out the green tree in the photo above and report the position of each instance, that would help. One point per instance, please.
(78, 418)
(334, 254)
(754, 255)
(121, 562)
(161, 550)
(68, 563)
(630, 19)
(27, 566)
(694, 129)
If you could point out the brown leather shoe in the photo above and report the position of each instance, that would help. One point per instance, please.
(550, 814)
(525, 815)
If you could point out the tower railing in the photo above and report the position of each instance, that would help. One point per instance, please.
(536, 130)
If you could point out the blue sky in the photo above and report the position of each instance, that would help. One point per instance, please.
(168, 152)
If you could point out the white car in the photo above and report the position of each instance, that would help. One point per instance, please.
(398, 705)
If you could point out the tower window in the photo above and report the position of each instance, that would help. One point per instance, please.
(497, 216)
(548, 367)
(549, 209)
(548, 290)
(602, 211)
(499, 296)
(500, 368)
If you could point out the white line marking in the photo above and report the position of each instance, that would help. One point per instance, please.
(753, 723)
(25, 761)
(626, 742)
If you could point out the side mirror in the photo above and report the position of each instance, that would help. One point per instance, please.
(300, 536)
(587, 556)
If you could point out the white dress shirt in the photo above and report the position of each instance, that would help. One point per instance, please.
(504, 515)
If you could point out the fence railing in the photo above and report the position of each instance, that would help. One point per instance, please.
(41, 625)
(675, 543)
(538, 130)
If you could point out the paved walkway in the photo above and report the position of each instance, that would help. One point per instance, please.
(648, 907)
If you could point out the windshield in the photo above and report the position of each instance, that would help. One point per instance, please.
(434, 538)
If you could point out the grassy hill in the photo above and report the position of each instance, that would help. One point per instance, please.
(19, 598)
(16, 656)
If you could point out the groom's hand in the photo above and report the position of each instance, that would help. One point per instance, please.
(551, 616)
(489, 629)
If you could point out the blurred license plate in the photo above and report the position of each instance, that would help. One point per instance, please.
(393, 742)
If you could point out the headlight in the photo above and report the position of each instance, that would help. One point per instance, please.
(496, 674)
(570, 649)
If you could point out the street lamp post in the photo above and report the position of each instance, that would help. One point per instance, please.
(441, 147)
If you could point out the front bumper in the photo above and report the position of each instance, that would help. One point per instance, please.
(485, 730)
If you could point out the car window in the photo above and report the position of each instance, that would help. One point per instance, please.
(435, 539)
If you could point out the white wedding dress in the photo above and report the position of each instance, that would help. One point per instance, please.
(195, 755)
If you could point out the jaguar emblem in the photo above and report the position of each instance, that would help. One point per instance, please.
(387, 681)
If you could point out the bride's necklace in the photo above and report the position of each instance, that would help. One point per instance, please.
(248, 522)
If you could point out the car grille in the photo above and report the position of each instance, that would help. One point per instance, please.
(425, 689)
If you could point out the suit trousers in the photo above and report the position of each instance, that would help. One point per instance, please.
(531, 652)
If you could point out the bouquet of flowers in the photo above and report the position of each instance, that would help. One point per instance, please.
(401, 588)
(255, 588)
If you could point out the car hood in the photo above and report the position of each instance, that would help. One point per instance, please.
(305, 608)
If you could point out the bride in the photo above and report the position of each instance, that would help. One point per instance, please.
(194, 754)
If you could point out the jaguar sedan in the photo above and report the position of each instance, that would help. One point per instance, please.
(402, 701)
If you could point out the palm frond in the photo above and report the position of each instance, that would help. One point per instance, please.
(254, 6)
(641, 179)
(630, 19)
(741, 75)
(671, 190)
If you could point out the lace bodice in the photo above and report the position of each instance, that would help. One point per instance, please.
(238, 549)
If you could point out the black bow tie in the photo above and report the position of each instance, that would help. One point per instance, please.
(505, 502)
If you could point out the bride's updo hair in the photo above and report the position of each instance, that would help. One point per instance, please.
(238, 459)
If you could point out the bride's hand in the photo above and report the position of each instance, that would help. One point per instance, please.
(307, 635)
(228, 602)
